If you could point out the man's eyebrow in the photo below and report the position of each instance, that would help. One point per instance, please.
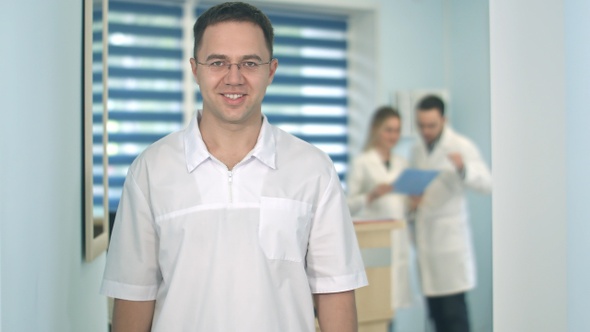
(216, 57)
(226, 58)
(252, 57)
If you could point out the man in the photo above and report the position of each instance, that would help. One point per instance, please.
(231, 224)
(443, 236)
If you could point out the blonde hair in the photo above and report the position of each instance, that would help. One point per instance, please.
(379, 117)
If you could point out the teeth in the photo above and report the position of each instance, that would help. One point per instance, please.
(233, 96)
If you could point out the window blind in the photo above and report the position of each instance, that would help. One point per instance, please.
(308, 97)
(145, 84)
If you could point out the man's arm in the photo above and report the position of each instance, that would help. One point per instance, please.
(475, 172)
(336, 312)
(133, 316)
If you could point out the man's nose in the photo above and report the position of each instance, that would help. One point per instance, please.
(234, 75)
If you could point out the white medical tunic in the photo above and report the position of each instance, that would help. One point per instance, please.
(239, 250)
(367, 172)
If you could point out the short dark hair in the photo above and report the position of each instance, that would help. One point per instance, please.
(233, 12)
(431, 101)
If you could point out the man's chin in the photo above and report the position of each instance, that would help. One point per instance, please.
(238, 118)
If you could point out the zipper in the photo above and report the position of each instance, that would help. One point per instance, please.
(230, 179)
(230, 176)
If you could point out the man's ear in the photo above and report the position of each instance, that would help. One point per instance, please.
(274, 64)
(194, 68)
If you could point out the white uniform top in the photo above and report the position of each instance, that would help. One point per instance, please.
(443, 234)
(366, 172)
(238, 250)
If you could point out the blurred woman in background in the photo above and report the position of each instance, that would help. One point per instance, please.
(370, 194)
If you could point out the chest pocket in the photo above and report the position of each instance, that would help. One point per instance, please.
(284, 228)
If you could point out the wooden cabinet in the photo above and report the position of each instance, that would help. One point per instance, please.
(374, 302)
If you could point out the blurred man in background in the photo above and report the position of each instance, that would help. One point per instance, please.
(443, 236)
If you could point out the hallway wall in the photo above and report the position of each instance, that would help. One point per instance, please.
(46, 285)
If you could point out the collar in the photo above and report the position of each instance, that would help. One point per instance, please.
(377, 157)
(265, 149)
(442, 140)
(196, 151)
(431, 146)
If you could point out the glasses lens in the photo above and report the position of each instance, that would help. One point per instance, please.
(223, 67)
(249, 66)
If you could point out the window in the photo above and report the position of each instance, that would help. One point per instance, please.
(145, 84)
(308, 97)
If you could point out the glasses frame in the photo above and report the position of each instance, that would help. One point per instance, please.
(239, 65)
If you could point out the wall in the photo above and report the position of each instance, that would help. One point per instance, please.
(411, 53)
(577, 56)
(410, 50)
(468, 75)
(46, 286)
(529, 159)
(426, 44)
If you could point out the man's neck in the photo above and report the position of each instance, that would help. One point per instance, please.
(229, 142)
(431, 145)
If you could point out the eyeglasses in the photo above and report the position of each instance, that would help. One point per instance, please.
(221, 66)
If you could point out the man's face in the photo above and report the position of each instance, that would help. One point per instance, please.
(233, 96)
(430, 123)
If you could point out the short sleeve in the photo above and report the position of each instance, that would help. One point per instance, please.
(334, 262)
(132, 271)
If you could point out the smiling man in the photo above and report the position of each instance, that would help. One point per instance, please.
(232, 224)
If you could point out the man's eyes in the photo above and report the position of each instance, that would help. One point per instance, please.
(248, 64)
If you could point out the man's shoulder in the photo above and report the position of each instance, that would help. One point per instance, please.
(294, 151)
(290, 144)
(460, 139)
(161, 150)
(416, 146)
(302, 170)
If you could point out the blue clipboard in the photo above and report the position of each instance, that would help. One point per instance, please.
(414, 181)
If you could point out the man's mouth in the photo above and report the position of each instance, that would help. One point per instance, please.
(233, 96)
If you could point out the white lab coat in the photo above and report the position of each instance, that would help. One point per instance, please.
(366, 172)
(443, 235)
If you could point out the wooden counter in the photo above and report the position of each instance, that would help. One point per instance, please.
(373, 302)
